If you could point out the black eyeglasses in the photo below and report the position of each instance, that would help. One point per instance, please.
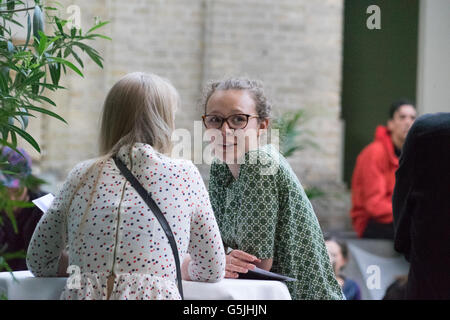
(235, 121)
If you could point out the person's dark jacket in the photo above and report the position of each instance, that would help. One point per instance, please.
(421, 207)
(11, 242)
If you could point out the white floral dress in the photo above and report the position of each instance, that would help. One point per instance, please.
(110, 230)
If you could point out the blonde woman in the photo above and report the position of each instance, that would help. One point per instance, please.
(114, 242)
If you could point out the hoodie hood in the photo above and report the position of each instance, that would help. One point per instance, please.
(383, 135)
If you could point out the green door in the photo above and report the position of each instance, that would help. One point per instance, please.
(379, 66)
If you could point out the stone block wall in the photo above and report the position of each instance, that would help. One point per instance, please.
(294, 46)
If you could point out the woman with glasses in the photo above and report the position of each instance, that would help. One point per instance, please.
(263, 213)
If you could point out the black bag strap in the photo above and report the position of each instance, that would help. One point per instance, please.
(159, 215)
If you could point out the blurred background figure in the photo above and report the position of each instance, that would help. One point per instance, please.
(21, 186)
(338, 252)
(421, 204)
(374, 174)
(397, 289)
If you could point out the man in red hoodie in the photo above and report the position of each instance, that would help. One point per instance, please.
(373, 179)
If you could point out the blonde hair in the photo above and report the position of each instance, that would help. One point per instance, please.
(140, 107)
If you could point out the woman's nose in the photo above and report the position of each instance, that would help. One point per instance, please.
(226, 130)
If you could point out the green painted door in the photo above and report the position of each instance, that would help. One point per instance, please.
(379, 66)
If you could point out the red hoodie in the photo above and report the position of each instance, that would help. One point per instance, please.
(373, 182)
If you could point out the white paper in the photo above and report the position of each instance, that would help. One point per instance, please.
(44, 202)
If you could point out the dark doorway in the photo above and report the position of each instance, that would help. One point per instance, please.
(379, 67)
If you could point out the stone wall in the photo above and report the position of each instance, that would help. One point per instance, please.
(294, 46)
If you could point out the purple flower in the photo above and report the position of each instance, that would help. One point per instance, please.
(18, 164)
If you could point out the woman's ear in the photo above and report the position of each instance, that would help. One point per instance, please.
(264, 124)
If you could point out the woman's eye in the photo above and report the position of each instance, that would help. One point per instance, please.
(238, 119)
(216, 119)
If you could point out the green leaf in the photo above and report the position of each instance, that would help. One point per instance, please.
(25, 135)
(14, 255)
(55, 72)
(66, 52)
(95, 57)
(4, 142)
(33, 78)
(60, 25)
(5, 266)
(45, 99)
(92, 53)
(11, 4)
(68, 64)
(13, 138)
(75, 55)
(28, 31)
(13, 21)
(99, 25)
(84, 47)
(50, 86)
(42, 42)
(21, 113)
(22, 55)
(10, 214)
(3, 83)
(35, 88)
(45, 111)
(21, 204)
(92, 36)
(314, 192)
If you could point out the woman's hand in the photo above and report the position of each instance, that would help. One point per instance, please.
(239, 262)
(184, 268)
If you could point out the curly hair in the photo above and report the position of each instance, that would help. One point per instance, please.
(254, 87)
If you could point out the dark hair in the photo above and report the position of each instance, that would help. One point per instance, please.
(397, 289)
(397, 104)
(341, 243)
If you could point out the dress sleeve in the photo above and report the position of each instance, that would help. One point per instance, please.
(302, 253)
(50, 236)
(259, 208)
(205, 245)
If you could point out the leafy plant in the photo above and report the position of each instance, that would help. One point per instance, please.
(290, 133)
(288, 125)
(24, 68)
(30, 69)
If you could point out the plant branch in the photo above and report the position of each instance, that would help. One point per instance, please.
(16, 10)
